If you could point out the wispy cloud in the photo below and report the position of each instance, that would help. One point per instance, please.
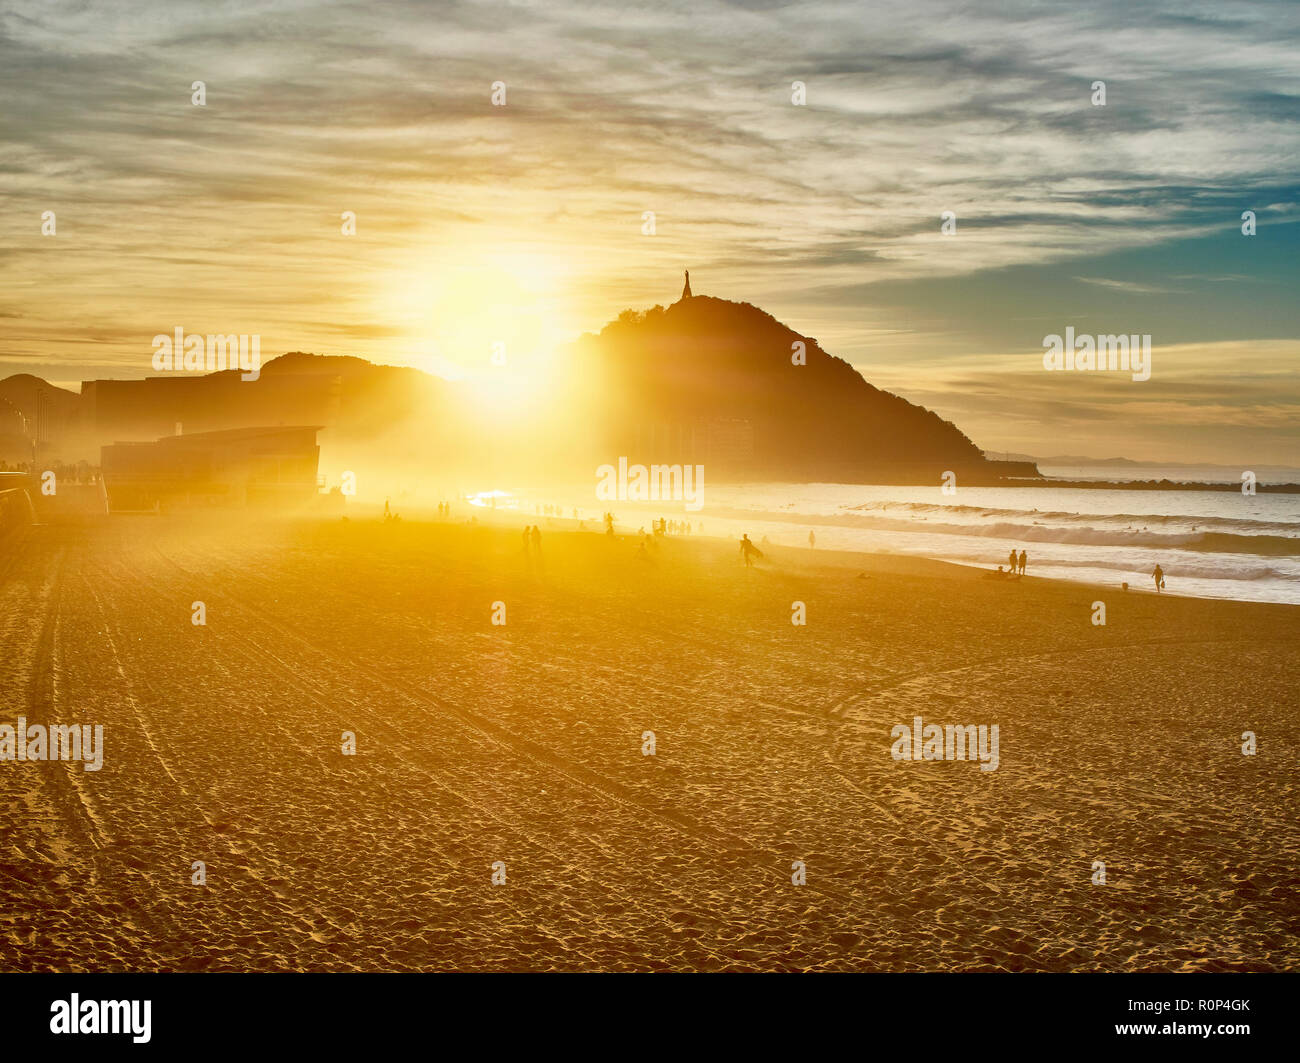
(827, 213)
(1131, 287)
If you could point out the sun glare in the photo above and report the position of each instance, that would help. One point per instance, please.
(492, 319)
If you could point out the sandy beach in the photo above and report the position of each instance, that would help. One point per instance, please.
(522, 743)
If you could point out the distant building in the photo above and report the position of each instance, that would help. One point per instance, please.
(114, 410)
(237, 467)
(686, 291)
(730, 442)
(725, 444)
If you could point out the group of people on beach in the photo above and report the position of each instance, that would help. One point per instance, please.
(1015, 566)
(662, 526)
(80, 473)
(1017, 563)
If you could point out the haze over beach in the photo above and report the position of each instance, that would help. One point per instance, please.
(711, 487)
(791, 440)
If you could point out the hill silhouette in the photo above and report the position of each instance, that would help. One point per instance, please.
(21, 391)
(704, 360)
(704, 380)
(29, 404)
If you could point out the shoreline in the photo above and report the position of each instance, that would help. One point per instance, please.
(516, 518)
(1159, 485)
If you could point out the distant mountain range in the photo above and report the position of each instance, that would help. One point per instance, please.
(704, 380)
(1069, 461)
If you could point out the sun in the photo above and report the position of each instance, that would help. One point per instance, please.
(476, 314)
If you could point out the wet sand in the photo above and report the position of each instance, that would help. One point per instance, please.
(522, 743)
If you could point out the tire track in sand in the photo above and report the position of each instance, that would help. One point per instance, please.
(522, 748)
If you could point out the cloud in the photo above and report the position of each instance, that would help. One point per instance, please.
(1215, 402)
(171, 214)
(1131, 287)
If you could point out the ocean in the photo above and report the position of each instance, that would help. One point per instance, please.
(1213, 544)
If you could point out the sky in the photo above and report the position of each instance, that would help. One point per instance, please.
(525, 224)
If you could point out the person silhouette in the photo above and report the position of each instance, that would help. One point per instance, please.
(748, 550)
(1024, 560)
(1011, 560)
(1158, 574)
